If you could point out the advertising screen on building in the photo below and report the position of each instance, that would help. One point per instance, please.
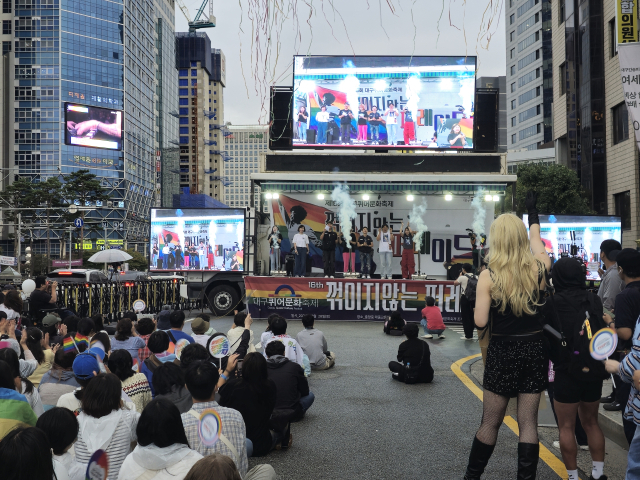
(383, 102)
(579, 236)
(93, 127)
(197, 239)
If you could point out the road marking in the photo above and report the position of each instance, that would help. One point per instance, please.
(545, 455)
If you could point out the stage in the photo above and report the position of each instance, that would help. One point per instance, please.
(349, 299)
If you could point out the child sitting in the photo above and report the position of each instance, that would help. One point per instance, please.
(432, 320)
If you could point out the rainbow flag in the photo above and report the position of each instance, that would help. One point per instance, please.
(15, 411)
(68, 345)
(315, 216)
(81, 339)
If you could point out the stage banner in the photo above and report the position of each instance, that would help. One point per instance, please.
(629, 55)
(349, 299)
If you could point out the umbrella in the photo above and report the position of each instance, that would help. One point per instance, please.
(110, 256)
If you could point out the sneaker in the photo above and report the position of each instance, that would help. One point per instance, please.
(331, 276)
(441, 337)
(556, 444)
(428, 335)
(608, 399)
(586, 449)
(613, 407)
(465, 338)
(326, 276)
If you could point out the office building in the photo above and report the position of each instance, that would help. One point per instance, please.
(593, 132)
(500, 84)
(201, 79)
(245, 143)
(93, 53)
(529, 73)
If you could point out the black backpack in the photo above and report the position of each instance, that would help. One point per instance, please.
(470, 290)
(575, 351)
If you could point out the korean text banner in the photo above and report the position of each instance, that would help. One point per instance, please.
(630, 72)
(349, 299)
(627, 20)
(382, 102)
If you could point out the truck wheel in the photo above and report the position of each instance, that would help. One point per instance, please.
(223, 299)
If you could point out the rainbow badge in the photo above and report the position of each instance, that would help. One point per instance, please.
(98, 467)
(180, 346)
(219, 347)
(603, 344)
(209, 427)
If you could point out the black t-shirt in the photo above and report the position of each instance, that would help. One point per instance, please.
(39, 300)
(407, 242)
(346, 119)
(329, 240)
(365, 242)
(374, 118)
(273, 239)
(627, 310)
(408, 117)
(301, 118)
(458, 142)
(417, 353)
(362, 117)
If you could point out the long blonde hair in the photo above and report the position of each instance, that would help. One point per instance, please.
(515, 283)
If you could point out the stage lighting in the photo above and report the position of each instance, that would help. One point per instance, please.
(276, 195)
(307, 85)
(410, 198)
(488, 198)
(496, 198)
(365, 197)
(229, 227)
(269, 196)
(448, 197)
(321, 196)
(446, 84)
(380, 84)
(195, 228)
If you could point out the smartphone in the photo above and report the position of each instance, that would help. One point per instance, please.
(239, 367)
(19, 324)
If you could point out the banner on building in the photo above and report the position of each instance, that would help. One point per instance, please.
(629, 56)
(12, 261)
(627, 20)
(349, 299)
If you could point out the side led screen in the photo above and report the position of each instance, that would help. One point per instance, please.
(93, 127)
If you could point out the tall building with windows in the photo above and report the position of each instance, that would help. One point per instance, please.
(201, 78)
(529, 73)
(95, 53)
(593, 132)
(245, 143)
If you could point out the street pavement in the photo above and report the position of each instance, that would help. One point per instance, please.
(364, 425)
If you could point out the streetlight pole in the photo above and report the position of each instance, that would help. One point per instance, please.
(70, 244)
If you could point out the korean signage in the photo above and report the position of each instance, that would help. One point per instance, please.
(8, 261)
(65, 263)
(629, 56)
(627, 19)
(349, 299)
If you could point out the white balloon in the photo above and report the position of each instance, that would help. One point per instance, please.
(28, 286)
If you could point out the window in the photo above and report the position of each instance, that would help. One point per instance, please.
(513, 87)
(183, 82)
(530, 40)
(529, 131)
(528, 77)
(6, 27)
(184, 139)
(184, 101)
(512, 19)
(512, 36)
(620, 118)
(194, 64)
(560, 12)
(528, 59)
(513, 138)
(526, 6)
(183, 91)
(613, 37)
(529, 113)
(622, 203)
(528, 23)
(6, 47)
(7, 7)
(184, 120)
(184, 130)
(512, 53)
(529, 95)
(194, 73)
(513, 69)
(562, 76)
(513, 121)
(184, 111)
(513, 104)
(183, 73)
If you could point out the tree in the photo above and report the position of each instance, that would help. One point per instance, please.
(49, 197)
(85, 189)
(558, 187)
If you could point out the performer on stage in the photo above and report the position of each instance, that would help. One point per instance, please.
(408, 262)
(408, 126)
(385, 239)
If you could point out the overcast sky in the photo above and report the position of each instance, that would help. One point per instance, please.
(360, 31)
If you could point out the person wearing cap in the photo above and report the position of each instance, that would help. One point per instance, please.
(52, 324)
(627, 310)
(201, 331)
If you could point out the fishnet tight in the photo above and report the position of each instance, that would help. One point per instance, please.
(494, 408)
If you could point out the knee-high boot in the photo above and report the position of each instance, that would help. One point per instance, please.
(478, 459)
(528, 454)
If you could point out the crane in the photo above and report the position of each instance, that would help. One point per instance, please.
(206, 22)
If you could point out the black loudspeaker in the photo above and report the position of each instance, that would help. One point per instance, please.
(311, 136)
(280, 125)
(485, 121)
(425, 243)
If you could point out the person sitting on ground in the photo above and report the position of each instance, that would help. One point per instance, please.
(203, 380)
(86, 327)
(164, 318)
(267, 334)
(254, 396)
(293, 394)
(23, 385)
(145, 327)
(395, 324)
(134, 384)
(177, 324)
(241, 351)
(60, 379)
(8, 339)
(221, 467)
(98, 321)
(163, 451)
(201, 331)
(12, 304)
(43, 354)
(61, 427)
(293, 351)
(158, 345)
(192, 353)
(102, 341)
(432, 320)
(235, 333)
(85, 367)
(15, 410)
(127, 339)
(168, 383)
(71, 322)
(104, 423)
(314, 345)
(414, 358)
(52, 324)
(25, 454)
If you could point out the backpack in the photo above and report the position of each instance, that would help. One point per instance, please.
(470, 290)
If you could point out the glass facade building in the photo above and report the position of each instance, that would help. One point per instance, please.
(245, 143)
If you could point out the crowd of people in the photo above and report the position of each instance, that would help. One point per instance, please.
(139, 392)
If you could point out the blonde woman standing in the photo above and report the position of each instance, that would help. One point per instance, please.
(507, 300)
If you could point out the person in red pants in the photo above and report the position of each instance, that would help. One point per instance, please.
(408, 262)
(408, 126)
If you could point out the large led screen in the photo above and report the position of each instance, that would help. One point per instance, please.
(383, 102)
(197, 239)
(578, 235)
(93, 127)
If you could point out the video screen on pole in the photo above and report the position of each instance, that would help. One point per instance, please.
(197, 239)
(93, 127)
(578, 236)
(383, 102)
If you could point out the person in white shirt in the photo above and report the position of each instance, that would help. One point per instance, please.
(300, 247)
(385, 237)
(61, 427)
(292, 349)
(392, 123)
(201, 331)
(322, 118)
(241, 322)
(202, 254)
